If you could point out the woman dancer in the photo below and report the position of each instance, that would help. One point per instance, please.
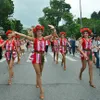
(38, 54)
(86, 54)
(10, 54)
(63, 48)
(55, 48)
(18, 43)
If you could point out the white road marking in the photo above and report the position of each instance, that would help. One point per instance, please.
(28, 60)
(3, 59)
(69, 58)
(77, 56)
(59, 59)
(16, 59)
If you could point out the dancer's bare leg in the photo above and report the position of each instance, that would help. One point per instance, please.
(82, 69)
(90, 63)
(39, 81)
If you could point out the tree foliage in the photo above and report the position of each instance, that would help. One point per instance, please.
(93, 24)
(17, 25)
(59, 10)
(52, 15)
(6, 9)
(95, 15)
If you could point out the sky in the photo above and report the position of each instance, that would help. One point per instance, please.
(28, 11)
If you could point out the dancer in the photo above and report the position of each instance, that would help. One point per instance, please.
(22, 46)
(10, 53)
(38, 54)
(18, 43)
(85, 48)
(55, 48)
(63, 48)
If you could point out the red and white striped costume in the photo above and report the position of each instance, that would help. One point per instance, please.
(86, 45)
(18, 43)
(10, 50)
(63, 45)
(56, 46)
(39, 47)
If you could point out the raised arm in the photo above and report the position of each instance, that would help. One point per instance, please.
(25, 36)
(54, 32)
(51, 39)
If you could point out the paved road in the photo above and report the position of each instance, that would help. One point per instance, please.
(58, 84)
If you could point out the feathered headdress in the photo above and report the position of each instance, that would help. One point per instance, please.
(8, 32)
(64, 33)
(82, 30)
(38, 27)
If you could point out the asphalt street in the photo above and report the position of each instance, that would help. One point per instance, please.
(58, 84)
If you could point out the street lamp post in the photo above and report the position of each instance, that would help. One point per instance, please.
(80, 7)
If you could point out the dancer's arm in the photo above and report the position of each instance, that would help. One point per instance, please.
(54, 32)
(79, 48)
(49, 36)
(25, 36)
(2, 44)
(51, 39)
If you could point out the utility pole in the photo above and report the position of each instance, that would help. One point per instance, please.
(80, 7)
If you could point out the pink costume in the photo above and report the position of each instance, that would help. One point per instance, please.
(63, 45)
(10, 50)
(86, 47)
(56, 46)
(39, 48)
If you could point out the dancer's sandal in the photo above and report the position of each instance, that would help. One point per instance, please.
(37, 86)
(64, 67)
(92, 85)
(80, 77)
(42, 96)
(9, 82)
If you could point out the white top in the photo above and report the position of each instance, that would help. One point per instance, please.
(46, 42)
(98, 43)
(94, 44)
(77, 43)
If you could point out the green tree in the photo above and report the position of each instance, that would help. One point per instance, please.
(93, 24)
(18, 26)
(6, 9)
(94, 15)
(58, 10)
(99, 15)
(24, 31)
(12, 24)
